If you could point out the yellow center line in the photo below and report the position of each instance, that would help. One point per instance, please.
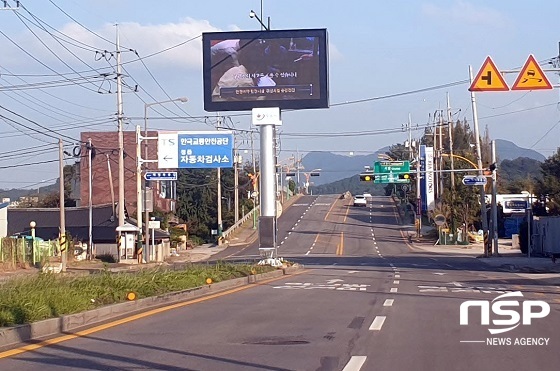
(340, 249)
(328, 212)
(346, 215)
(135, 317)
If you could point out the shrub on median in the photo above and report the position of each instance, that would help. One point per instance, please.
(29, 299)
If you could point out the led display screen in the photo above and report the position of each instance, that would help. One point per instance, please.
(253, 69)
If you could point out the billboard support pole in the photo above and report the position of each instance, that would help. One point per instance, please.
(267, 119)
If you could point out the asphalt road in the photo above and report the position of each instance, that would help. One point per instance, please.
(366, 300)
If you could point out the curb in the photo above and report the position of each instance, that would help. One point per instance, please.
(74, 322)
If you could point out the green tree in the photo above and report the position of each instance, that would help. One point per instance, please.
(549, 185)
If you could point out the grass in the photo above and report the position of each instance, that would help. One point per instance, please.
(47, 295)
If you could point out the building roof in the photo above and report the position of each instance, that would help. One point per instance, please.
(104, 222)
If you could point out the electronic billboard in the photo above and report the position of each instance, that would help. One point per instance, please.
(252, 69)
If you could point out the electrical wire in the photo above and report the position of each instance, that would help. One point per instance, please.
(35, 123)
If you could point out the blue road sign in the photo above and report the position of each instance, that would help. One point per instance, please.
(160, 175)
(474, 180)
(205, 149)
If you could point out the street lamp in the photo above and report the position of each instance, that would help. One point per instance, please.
(314, 172)
(252, 14)
(139, 178)
(32, 224)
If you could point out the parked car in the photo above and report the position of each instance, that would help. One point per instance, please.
(360, 200)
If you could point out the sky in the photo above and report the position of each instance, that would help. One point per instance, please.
(388, 60)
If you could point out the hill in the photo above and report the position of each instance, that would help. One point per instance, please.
(337, 167)
(506, 150)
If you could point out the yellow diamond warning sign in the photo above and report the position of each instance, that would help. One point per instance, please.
(531, 77)
(489, 78)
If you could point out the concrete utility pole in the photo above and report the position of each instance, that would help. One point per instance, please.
(236, 161)
(494, 202)
(63, 246)
(440, 155)
(219, 176)
(120, 133)
(90, 203)
(139, 198)
(452, 174)
(483, 215)
(418, 196)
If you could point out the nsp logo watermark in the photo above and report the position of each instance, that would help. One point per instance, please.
(510, 313)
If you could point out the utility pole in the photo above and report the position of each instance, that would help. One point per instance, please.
(139, 199)
(219, 206)
(219, 194)
(494, 202)
(418, 196)
(440, 155)
(236, 161)
(90, 203)
(120, 133)
(63, 246)
(452, 174)
(483, 216)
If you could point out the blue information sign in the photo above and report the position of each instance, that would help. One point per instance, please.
(210, 149)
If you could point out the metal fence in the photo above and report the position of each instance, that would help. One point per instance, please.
(239, 223)
(19, 252)
(546, 235)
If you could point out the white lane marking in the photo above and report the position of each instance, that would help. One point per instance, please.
(391, 264)
(307, 253)
(397, 276)
(295, 224)
(355, 363)
(388, 302)
(377, 323)
(299, 220)
(394, 268)
(290, 232)
(394, 289)
(281, 242)
(375, 242)
(286, 237)
(396, 282)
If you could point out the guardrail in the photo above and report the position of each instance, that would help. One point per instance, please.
(230, 230)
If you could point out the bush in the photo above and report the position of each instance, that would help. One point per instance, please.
(29, 299)
(106, 258)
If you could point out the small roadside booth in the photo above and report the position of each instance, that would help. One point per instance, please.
(128, 241)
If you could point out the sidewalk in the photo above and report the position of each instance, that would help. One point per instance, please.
(509, 259)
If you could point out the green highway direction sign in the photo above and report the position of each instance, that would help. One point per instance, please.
(388, 171)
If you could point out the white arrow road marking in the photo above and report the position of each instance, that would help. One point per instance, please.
(334, 281)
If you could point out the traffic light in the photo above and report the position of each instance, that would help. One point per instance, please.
(489, 170)
(406, 177)
(366, 177)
